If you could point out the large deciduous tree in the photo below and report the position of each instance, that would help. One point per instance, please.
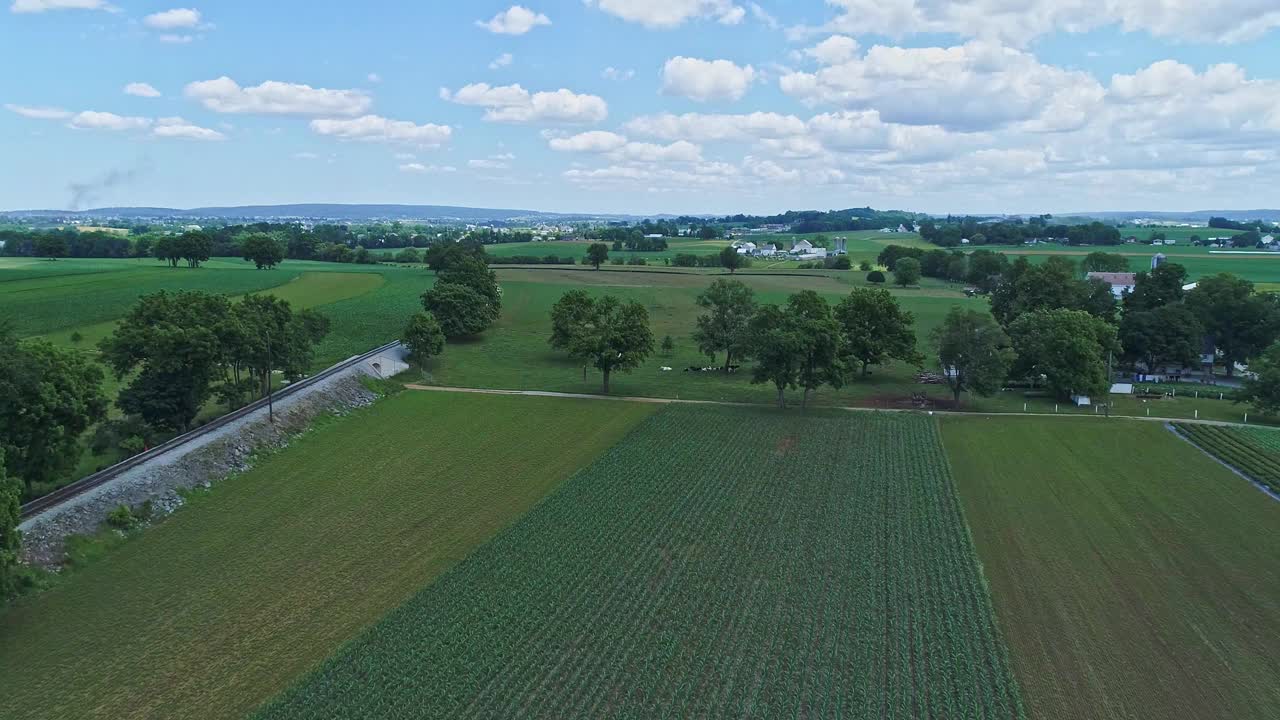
(1106, 262)
(423, 337)
(194, 246)
(875, 330)
(1239, 321)
(778, 350)
(598, 254)
(1068, 347)
(1262, 390)
(1162, 286)
(906, 271)
(725, 327)
(48, 398)
(731, 259)
(172, 341)
(974, 353)
(612, 337)
(275, 338)
(461, 310)
(572, 310)
(264, 251)
(1167, 335)
(819, 336)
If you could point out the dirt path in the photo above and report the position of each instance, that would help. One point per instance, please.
(673, 401)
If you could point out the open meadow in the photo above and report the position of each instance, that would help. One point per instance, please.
(228, 601)
(1133, 576)
(717, 563)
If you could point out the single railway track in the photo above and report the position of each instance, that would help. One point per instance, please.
(80, 487)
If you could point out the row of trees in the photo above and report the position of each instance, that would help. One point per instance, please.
(465, 301)
(182, 349)
(951, 232)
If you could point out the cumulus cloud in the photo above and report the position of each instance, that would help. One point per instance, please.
(514, 104)
(421, 169)
(224, 95)
(698, 127)
(140, 89)
(374, 128)
(834, 50)
(516, 20)
(39, 113)
(503, 60)
(1021, 21)
(176, 127)
(976, 86)
(595, 141)
(93, 120)
(706, 80)
(667, 14)
(175, 19)
(39, 6)
(613, 73)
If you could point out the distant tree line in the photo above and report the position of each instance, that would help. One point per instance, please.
(952, 231)
(814, 221)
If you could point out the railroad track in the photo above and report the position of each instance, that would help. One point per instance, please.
(75, 489)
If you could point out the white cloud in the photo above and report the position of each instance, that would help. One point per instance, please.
(140, 89)
(706, 80)
(226, 96)
(488, 165)
(514, 104)
(595, 141)
(39, 6)
(173, 19)
(173, 39)
(976, 86)
(1019, 22)
(677, 152)
(176, 127)
(305, 156)
(374, 78)
(420, 169)
(93, 120)
(713, 128)
(503, 60)
(39, 113)
(763, 16)
(516, 20)
(666, 14)
(613, 73)
(834, 50)
(374, 128)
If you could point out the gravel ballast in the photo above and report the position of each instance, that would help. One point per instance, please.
(201, 462)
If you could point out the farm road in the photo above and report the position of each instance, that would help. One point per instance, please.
(676, 401)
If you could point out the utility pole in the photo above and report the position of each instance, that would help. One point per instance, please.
(1110, 380)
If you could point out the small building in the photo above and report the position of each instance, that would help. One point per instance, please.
(1081, 400)
(766, 251)
(801, 246)
(654, 236)
(1120, 283)
(746, 248)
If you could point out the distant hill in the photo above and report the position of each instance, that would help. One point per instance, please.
(1201, 216)
(315, 211)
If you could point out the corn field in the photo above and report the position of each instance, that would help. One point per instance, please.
(718, 563)
(1254, 452)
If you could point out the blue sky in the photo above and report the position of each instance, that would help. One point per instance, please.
(644, 106)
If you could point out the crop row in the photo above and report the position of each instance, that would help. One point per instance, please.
(1253, 452)
(717, 563)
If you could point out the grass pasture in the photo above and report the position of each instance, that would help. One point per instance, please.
(717, 563)
(1133, 577)
(1254, 452)
(228, 601)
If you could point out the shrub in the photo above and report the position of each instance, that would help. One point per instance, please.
(122, 518)
(617, 261)
(875, 276)
(77, 338)
(637, 261)
(864, 266)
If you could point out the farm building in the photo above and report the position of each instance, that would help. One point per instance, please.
(1120, 283)
(1158, 260)
(801, 246)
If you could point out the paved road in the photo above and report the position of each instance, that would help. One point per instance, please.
(673, 401)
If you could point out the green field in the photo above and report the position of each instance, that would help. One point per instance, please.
(228, 601)
(1133, 576)
(515, 354)
(717, 563)
(1255, 452)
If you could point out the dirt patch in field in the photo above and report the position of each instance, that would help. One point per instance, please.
(787, 444)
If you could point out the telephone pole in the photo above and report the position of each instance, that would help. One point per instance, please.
(271, 408)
